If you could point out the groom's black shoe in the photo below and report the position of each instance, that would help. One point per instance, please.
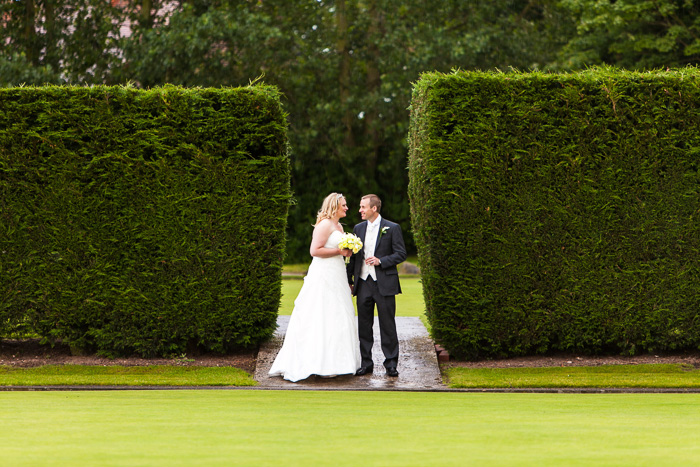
(391, 371)
(364, 370)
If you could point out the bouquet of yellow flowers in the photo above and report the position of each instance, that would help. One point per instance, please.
(351, 242)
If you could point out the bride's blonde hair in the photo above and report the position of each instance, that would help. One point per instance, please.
(330, 207)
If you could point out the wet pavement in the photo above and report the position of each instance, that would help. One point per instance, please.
(418, 365)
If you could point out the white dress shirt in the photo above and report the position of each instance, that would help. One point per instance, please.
(370, 242)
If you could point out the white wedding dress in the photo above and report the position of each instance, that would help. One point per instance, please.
(322, 334)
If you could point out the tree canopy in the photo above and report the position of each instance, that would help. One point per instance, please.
(345, 67)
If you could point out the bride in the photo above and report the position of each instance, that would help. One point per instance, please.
(322, 334)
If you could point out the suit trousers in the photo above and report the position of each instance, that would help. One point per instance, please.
(367, 297)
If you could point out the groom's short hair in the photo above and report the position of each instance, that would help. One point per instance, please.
(374, 201)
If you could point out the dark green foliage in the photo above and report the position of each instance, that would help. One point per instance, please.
(558, 212)
(344, 68)
(148, 222)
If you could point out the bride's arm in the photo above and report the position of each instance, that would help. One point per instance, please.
(321, 233)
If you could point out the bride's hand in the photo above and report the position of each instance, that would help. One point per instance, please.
(346, 252)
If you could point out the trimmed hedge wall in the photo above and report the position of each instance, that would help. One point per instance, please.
(558, 212)
(142, 222)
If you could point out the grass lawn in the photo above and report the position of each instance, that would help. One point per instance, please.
(301, 268)
(243, 427)
(609, 376)
(156, 375)
(408, 303)
(605, 376)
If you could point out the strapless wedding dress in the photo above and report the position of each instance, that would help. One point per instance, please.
(322, 334)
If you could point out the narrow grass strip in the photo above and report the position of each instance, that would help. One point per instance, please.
(605, 376)
(154, 375)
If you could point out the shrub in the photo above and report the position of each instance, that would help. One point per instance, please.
(558, 212)
(148, 222)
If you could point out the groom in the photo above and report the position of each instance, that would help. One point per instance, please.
(376, 282)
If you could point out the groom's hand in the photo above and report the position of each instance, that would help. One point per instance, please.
(372, 261)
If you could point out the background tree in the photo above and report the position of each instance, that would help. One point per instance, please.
(635, 34)
(51, 41)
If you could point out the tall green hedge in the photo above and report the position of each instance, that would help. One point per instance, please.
(558, 212)
(142, 222)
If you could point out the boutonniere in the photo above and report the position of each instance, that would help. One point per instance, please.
(383, 231)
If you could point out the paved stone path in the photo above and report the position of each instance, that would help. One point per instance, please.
(418, 365)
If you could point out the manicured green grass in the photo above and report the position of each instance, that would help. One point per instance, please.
(296, 268)
(606, 376)
(408, 303)
(290, 290)
(301, 268)
(291, 428)
(155, 375)
(610, 376)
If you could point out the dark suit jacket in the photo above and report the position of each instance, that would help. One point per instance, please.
(390, 250)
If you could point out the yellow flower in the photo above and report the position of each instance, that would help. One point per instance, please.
(351, 242)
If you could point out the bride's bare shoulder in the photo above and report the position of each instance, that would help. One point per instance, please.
(324, 224)
(323, 227)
